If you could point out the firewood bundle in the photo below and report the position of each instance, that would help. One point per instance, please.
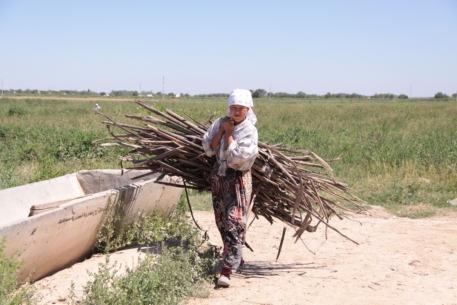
(286, 184)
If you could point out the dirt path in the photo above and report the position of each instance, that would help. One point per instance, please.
(397, 261)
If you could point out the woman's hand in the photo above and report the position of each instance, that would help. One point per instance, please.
(228, 124)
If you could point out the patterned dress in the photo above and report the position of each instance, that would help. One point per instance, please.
(232, 190)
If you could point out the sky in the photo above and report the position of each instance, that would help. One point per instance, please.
(214, 46)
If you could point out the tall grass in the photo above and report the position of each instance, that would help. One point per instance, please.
(393, 153)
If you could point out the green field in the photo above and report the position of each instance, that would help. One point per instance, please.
(398, 154)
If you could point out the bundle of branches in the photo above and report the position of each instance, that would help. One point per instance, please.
(286, 184)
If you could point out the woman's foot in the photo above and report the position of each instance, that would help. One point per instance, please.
(223, 281)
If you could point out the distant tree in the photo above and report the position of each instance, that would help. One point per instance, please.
(355, 95)
(328, 95)
(454, 95)
(300, 94)
(117, 93)
(384, 95)
(441, 95)
(135, 93)
(259, 93)
(212, 95)
(102, 93)
(403, 96)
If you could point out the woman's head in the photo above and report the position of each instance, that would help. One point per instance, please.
(240, 106)
(238, 113)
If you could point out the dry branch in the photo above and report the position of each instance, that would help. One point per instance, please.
(286, 188)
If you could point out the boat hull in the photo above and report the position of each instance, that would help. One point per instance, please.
(57, 238)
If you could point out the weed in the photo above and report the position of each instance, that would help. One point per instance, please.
(177, 273)
(165, 279)
(16, 111)
(12, 291)
(114, 234)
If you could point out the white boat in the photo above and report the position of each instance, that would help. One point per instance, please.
(54, 223)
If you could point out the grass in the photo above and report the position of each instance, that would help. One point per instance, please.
(200, 201)
(388, 148)
(114, 234)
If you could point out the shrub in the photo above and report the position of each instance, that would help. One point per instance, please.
(16, 111)
(12, 292)
(166, 279)
(441, 95)
(179, 271)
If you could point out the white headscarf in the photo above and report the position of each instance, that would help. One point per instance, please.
(242, 97)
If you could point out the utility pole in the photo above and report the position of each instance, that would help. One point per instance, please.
(163, 85)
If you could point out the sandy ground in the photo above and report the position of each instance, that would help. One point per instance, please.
(397, 261)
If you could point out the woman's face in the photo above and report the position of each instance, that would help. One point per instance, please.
(238, 113)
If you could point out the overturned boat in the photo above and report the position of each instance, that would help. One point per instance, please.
(54, 223)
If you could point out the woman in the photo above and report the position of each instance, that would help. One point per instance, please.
(233, 139)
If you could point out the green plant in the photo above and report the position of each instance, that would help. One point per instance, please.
(12, 291)
(114, 233)
(176, 273)
(169, 278)
(16, 111)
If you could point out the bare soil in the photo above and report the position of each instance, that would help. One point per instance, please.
(397, 261)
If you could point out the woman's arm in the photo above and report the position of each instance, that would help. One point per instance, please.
(217, 137)
(212, 137)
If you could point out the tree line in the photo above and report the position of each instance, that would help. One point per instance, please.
(258, 93)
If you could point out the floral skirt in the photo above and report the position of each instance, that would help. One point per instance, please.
(231, 199)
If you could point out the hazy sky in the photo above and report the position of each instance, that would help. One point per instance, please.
(215, 46)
